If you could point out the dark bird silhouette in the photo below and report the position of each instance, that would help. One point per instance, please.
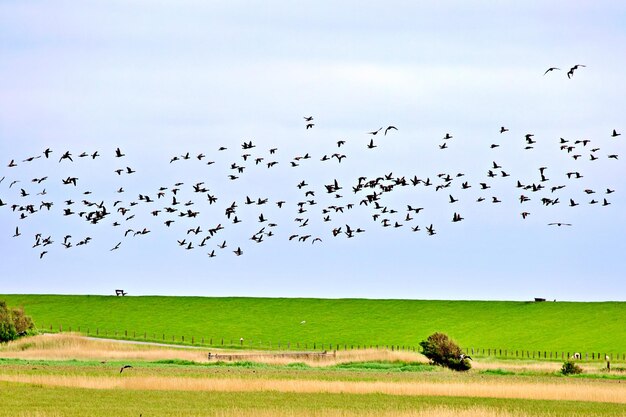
(308, 118)
(118, 153)
(503, 129)
(615, 134)
(389, 128)
(238, 252)
(551, 69)
(375, 132)
(310, 125)
(559, 224)
(66, 155)
(125, 367)
(47, 152)
(570, 73)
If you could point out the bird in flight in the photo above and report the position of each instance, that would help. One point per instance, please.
(559, 224)
(570, 73)
(551, 69)
(375, 132)
(389, 128)
(124, 367)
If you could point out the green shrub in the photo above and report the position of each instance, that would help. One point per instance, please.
(442, 351)
(571, 368)
(13, 323)
(23, 323)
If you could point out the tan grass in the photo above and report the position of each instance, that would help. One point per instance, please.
(438, 411)
(72, 346)
(64, 346)
(344, 356)
(571, 389)
(533, 366)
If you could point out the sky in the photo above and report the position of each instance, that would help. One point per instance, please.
(160, 79)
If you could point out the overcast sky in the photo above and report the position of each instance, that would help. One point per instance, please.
(160, 79)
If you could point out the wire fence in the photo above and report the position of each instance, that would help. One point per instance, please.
(241, 343)
(222, 342)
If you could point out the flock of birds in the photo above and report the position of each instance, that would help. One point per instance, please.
(182, 206)
(29, 197)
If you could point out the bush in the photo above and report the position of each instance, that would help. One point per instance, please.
(13, 323)
(442, 351)
(570, 368)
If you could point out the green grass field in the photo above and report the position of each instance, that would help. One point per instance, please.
(27, 400)
(549, 326)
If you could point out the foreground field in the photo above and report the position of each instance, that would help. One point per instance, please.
(39, 377)
(560, 327)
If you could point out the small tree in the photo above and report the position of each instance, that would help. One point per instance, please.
(13, 323)
(442, 351)
(23, 323)
(571, 368)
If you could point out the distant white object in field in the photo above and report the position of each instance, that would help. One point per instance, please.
(303, 322)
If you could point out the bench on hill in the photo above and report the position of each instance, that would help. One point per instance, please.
(120, 292)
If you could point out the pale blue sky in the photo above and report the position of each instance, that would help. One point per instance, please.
(160, 79)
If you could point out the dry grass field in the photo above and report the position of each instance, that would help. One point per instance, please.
(74, 365)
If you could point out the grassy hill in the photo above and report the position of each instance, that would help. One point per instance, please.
(561, 326)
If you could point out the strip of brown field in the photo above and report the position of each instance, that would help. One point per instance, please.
(72, 346)
(575, 390)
